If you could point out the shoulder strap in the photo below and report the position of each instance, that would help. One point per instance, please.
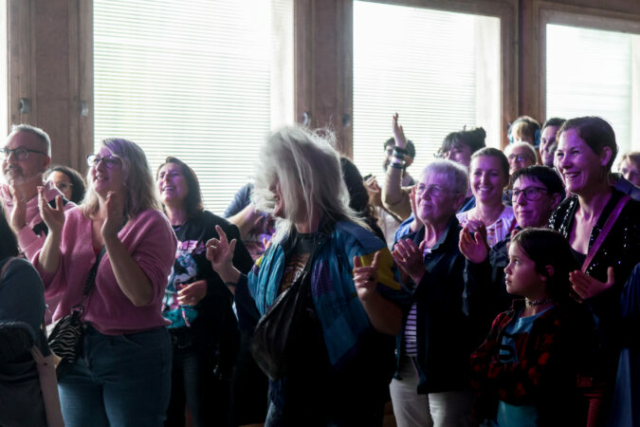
(91, 279)
(608, 225)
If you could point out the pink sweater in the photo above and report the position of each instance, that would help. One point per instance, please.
(151, 242)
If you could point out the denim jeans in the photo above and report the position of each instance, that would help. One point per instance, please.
(121, 380)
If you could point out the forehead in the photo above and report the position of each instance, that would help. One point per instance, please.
(59, 176)
(550, 131)
(527, 181)
(170, 167)
(571, 139)
(23, 139)
(486, 162)
(515, 251)
(430, 178)
(105, 152)
(520, 150)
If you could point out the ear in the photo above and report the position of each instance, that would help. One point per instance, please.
(556, 198)
(550, 271)
(45, 164)
(605, 155)
(458, 200)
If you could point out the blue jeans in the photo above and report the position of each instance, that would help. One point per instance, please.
(122, 380)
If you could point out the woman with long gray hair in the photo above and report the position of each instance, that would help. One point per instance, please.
(341, 361)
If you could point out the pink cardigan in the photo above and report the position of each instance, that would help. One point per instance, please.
(151, 242)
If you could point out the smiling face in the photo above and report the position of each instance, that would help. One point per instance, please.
(547, 140)
(460, 154)
(104, 179)
(62, 182)
(487, 180)
(532, 213)
(18, 172)
(172, 185)
(437, 202)
(581, 168)
(521, 276)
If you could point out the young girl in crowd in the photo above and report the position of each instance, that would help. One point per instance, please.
(538, 355)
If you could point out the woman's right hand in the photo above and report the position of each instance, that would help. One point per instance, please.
(398, 133)
(52, 217)
(409, 257)
(220, 254)
(473, 244)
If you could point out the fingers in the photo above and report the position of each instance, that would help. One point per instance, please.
(232, 246)
(223, 235)
(356, 262)
(610, 277)
(59, 204)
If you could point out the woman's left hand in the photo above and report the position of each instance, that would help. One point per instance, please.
(409, 257)
(115, 215)
(365, 278)
(192, 293)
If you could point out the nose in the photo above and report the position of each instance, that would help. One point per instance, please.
(507, 269)
(520, 199)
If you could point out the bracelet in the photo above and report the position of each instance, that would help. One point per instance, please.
(400, 150)
(397, 165)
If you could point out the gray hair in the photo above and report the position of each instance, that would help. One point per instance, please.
(139, 183)
(454, 173)
(42, 136)
(308, 169)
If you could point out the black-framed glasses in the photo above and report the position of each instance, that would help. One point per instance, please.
(20, 153)
(432, 190)
(530, 193)
(110, 162)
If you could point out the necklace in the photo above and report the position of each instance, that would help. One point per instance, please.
(534, 302)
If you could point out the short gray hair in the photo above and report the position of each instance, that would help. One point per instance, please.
(530, 150)
(454, 173)
(42, 136)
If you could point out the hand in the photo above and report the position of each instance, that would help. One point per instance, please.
(398, 133)
(417, 223)
(586, 286)
(374, 191)
(115, 215)
(18, 218)
(192, 293)
(52, 217)
(409, 257)
(365, 278)
(220, 252)
(474, 246)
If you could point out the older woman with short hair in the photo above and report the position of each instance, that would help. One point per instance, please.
(123, 372)
(431, 386)
(338, 368)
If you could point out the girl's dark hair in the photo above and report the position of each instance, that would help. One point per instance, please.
(548, 247)
(193, 202)
(596, 132)
(494, 152)
(78, 187)
(8, 242)
(474, 139)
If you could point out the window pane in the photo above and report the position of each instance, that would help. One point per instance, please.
(589, 73)
(4, 78)
(438, 70)
(201, 80)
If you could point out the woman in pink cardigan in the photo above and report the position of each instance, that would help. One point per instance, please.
(122, 375)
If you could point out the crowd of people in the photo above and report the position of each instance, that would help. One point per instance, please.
(498, 288)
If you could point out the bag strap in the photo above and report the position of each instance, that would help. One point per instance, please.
(608, 225)
(91, 279)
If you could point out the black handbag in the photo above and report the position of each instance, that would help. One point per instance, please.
(65, 336)
(281, 326)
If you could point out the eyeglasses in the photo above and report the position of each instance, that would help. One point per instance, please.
(110, 162)
(431, 190)
(530, 193)
(519, 157)
(20, 153)
(63, 186)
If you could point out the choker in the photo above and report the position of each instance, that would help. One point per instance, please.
(534, 302)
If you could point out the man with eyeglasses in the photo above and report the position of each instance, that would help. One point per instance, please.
(26, 155)
(537, 191)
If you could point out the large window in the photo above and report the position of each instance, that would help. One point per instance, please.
(201, 80)
(439, 70)
(594, 73)
(4, 80)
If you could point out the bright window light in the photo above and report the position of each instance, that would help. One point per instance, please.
(439, 70)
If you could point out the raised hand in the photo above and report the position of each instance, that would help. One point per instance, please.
(587, 287)
(398, 133)
(220, 254)
(115, 215)
(409, 257)
(192, 293)
(365, 278)
(52, 217)
(474, 246)
(18, 219)
(374, 191)
(417, 223)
